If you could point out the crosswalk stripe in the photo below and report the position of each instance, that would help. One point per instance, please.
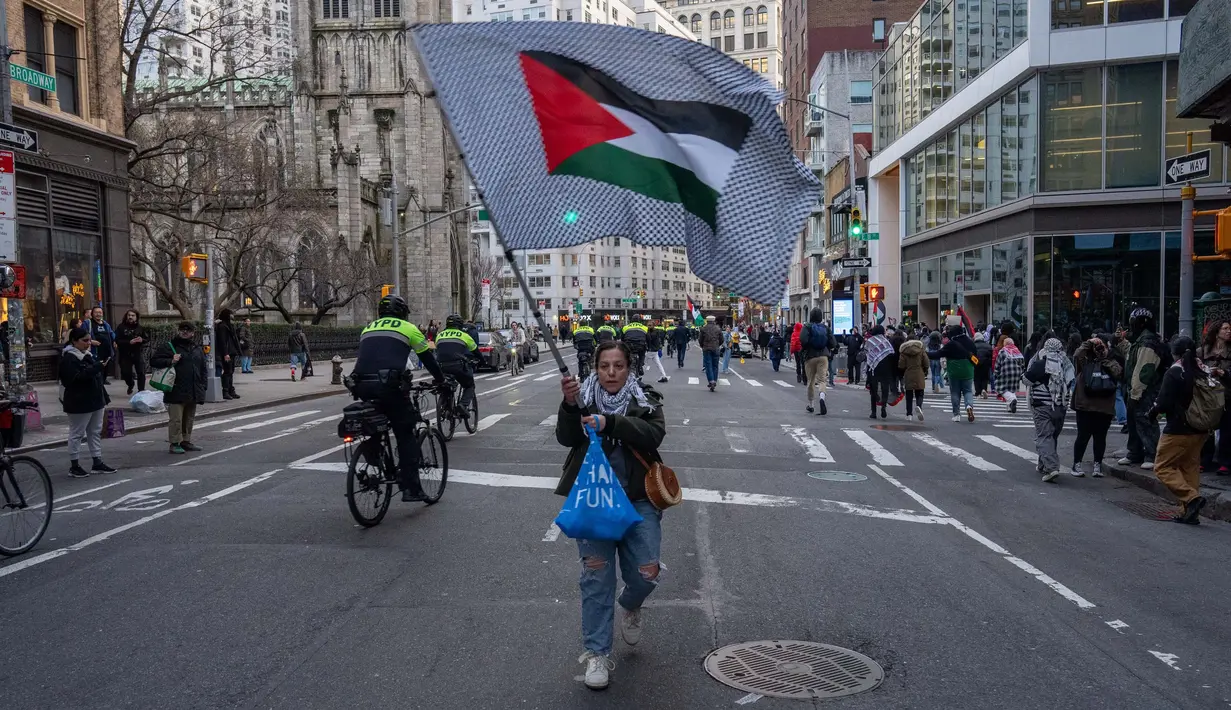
(970, 459)
(817, 453)
(267, 422)
(1006, 446)
(737, 440)
(694, 381)
(549, 421)
(879, 453)
(228, 420)
(724, 381)
(787, 385)
(548, 376)
(484, 423)
(754, 383)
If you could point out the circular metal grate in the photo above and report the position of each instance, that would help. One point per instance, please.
(836, 476)
(800, 670)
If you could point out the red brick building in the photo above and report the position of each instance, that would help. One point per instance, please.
(811, 28)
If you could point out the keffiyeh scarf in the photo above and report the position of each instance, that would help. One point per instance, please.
(1060, 373)
(600, 401)
(878, 348)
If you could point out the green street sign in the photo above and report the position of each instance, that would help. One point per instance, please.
(37, 79)
(869, 237)
(629, 300)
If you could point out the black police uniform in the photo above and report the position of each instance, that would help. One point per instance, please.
(457, 353)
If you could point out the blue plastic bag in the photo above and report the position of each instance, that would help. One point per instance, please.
(597, 508)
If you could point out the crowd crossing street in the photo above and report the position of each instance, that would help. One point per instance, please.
(235, 577)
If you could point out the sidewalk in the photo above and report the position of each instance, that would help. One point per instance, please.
(266, 385)
(1215, 488)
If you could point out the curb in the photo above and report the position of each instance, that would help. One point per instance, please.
(149, 426)
(1218, 503)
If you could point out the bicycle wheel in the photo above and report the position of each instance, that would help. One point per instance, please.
(445, 423)
(368, 493)
(433, 464)
(26, 501)
(471, 422)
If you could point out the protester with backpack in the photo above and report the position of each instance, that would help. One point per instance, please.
(1148, 359)
(1192, 398)
(1094, 401)
(818, 344)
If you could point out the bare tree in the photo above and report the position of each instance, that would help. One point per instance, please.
(485, 267)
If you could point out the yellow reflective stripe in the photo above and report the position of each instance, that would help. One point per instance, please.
(410, 335)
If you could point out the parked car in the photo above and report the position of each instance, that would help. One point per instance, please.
(529, 351)
(491, 352)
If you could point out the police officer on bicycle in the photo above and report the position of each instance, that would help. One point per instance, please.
(605, 333)
(583, 341)
(457, 354)
(382, 377)
(636, 336)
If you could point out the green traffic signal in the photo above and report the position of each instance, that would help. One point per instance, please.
(856, 229)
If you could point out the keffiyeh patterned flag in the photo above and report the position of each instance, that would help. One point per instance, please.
(575, 131)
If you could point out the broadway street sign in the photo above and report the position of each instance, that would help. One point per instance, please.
(17, 137)
(37, 79)
(1193, 166)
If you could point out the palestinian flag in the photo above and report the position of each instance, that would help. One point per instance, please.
(574, 132)
(694, 313)
(594, 127)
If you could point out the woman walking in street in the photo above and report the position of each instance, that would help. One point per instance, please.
(1094, 401)
(983, 371)
(188, 359)
(774, 346)
(130, 340)
(913, 363)
(84, 401)
(1051, 376)
(1010, 366)
(1177, 461)
(934, 345)
(630, 420)
(797, 352)
(881, 370)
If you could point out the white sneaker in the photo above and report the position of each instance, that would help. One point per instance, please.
(597, 670)
(957, 418)
(630, 627)
(1050, 476)
(919, 413)
(1125, 462)
(1098, 470)
(1077, 472)
(1147, 465)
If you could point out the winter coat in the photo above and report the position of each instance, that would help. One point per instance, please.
(226, 340)
(244, 333)
(637, 429)
(124, 336)
(102, 332)
(711, 338)
(1008, 372)
(796, 346)
(1083, 402)
(854, 344)
(1173, 400)
(190, 376)
(1214, 361)
(985, 352)
(680, 336)
(82, 377)
(913, 363)
(297, 341)
(1147, 360)
(957, 354)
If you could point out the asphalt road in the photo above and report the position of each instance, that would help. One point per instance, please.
(235, 578)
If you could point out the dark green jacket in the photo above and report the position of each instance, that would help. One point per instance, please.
(639, 429)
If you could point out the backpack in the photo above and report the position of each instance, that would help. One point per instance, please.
(818, 336)
(1205, 410)
(1096, 382)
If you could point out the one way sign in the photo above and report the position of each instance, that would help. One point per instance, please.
(1193, 166)
(17, 137)
(855, 262)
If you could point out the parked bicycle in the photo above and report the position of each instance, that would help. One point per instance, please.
(449, 412)
(26, 497)
(372, 471)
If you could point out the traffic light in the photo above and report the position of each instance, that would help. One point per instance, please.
(581, 292)
(385, 290)
(856, 229)
(863, 293)
(193, 267)
(1222, 232)
(876, 292)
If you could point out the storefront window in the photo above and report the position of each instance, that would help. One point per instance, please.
(1177, 128)
(1134, 10)
(40, 304)
(1072, 129)
(77, 281)
(1042, 282)
(1100, 278)
(1134, 124)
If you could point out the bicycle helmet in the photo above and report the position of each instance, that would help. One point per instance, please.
(453, 321)
(392, 306)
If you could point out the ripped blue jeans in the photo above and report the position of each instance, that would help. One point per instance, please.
(639, 567)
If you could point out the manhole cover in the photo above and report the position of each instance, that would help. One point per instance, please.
(899, 427)
(836, 476)
(794, 669)
(1149, 511)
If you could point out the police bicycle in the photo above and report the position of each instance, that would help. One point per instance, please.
(583, 364)
(372, 468)
(26, 496)
(449, 410)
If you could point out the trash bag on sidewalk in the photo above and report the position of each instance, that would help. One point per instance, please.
(148, 402)
(597, 508)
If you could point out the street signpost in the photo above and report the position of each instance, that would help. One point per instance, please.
(8, 207)
(855, 262)
(1185, 168)
(37, 79)
(17, 137)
